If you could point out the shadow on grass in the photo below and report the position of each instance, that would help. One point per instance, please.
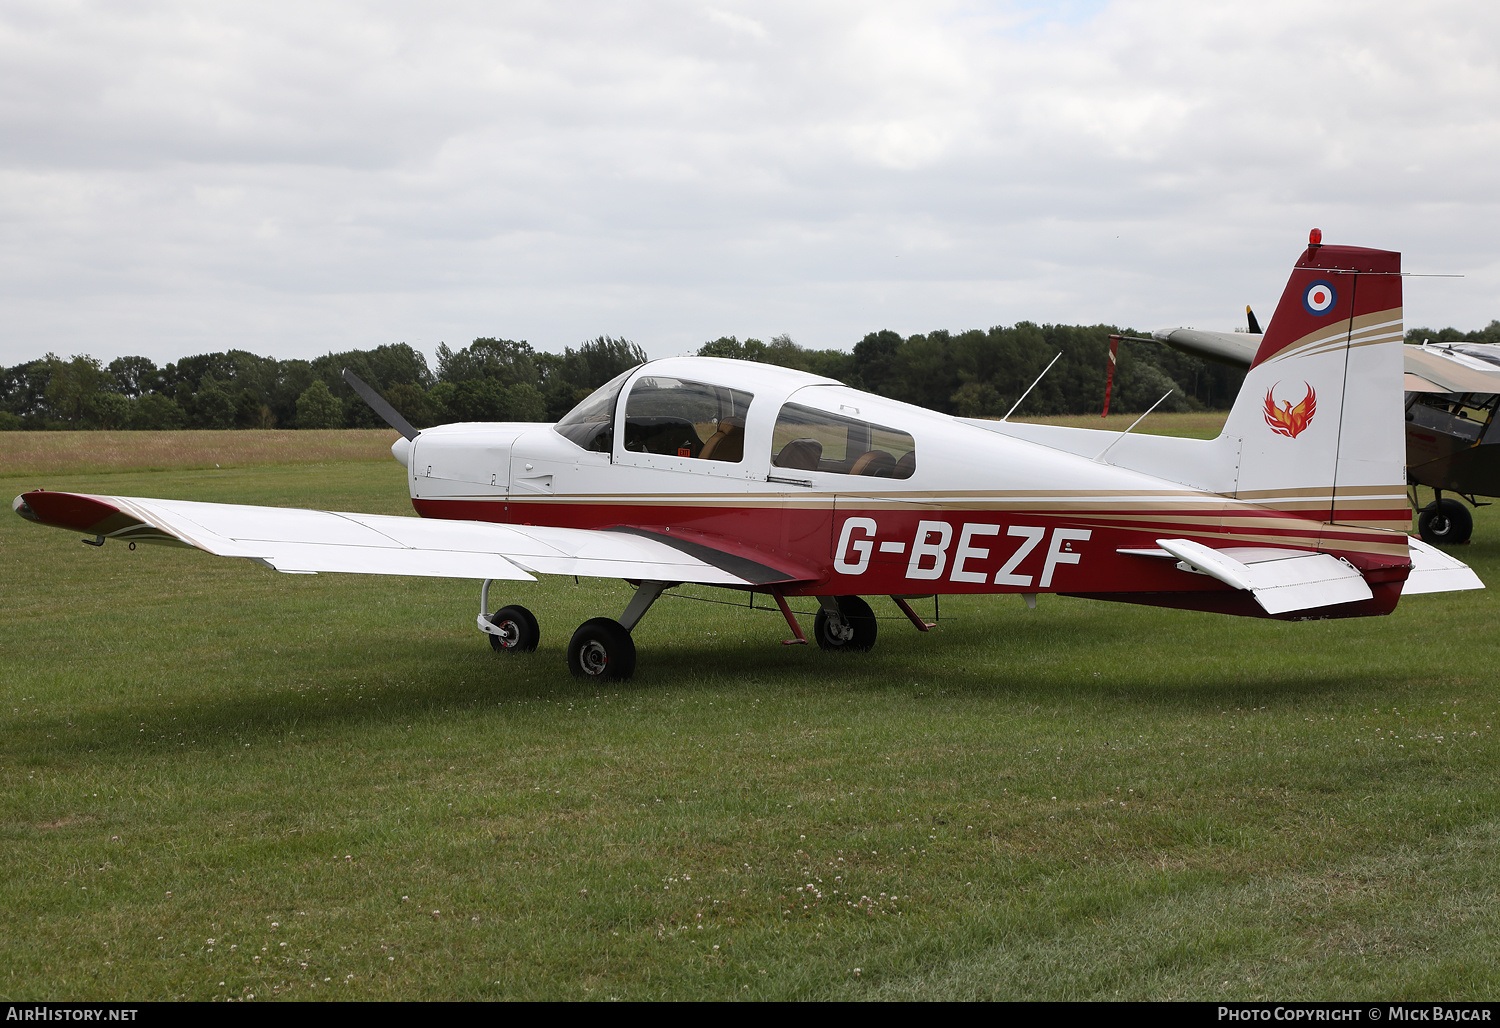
(357, 690)
(1084, 660)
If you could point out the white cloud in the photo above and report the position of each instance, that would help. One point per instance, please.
(176, 178)
(738, 23)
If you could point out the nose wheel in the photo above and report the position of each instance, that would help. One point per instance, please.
(510, 629)
(514, 630)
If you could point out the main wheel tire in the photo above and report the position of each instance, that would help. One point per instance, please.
(601, 648)
(1445, 522)
(519, 632)
(853, 629)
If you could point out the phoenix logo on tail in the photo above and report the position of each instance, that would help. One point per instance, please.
(1290, 421)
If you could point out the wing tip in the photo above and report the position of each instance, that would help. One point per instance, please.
(73, 511)
(21, 507)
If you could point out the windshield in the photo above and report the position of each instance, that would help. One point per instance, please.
(591, 424)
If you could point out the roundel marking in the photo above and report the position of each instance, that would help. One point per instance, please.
(1320, 298)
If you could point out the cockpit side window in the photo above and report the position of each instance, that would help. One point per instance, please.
(807, 439)
(680, 418)
(591, 424)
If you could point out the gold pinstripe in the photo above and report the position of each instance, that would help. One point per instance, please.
(1228, 521)
(1364, 330)
(1322, 490)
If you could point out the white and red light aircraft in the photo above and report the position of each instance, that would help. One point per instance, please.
(754, 477)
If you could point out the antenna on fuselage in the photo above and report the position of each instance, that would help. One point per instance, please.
(1137, 421)
(1031, 387)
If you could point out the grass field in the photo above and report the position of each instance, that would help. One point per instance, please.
(81, 452)
(1200, 424)
(220, 782)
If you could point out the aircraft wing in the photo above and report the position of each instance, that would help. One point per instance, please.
(1236, 349)
(1443, 368)
(312, 541)
(1430, 368)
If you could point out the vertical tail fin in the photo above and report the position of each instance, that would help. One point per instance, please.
(1319, 418)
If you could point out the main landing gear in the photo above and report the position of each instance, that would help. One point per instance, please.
(603, 647)
(844, 623)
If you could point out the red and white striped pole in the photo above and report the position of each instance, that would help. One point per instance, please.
(1109, 377)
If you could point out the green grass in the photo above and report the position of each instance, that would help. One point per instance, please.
(1083, 801)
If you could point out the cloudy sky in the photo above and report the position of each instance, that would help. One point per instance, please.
(179, 177)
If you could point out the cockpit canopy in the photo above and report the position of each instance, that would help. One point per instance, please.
(680, 408)
(682, 418)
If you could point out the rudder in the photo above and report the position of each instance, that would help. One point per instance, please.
(1319, 417)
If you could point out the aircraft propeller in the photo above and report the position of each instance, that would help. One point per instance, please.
(378, 404)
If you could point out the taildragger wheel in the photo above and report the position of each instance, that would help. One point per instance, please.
(519, 632)
(852, 629)
(601, 648)
(1445, 522)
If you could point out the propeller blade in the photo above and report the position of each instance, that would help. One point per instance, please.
(379, 405)
(1250, 317)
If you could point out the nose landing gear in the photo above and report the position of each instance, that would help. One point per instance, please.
(510, 629)
(516, 630)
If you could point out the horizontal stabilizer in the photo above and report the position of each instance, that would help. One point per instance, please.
(1281, 580)
(1433, 571)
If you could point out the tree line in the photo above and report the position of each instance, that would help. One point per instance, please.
(983, 373)
(488, 380)
(977, 373)
(1489, 334)
(970, 374)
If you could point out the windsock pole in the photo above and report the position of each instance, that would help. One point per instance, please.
(1109, 376)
